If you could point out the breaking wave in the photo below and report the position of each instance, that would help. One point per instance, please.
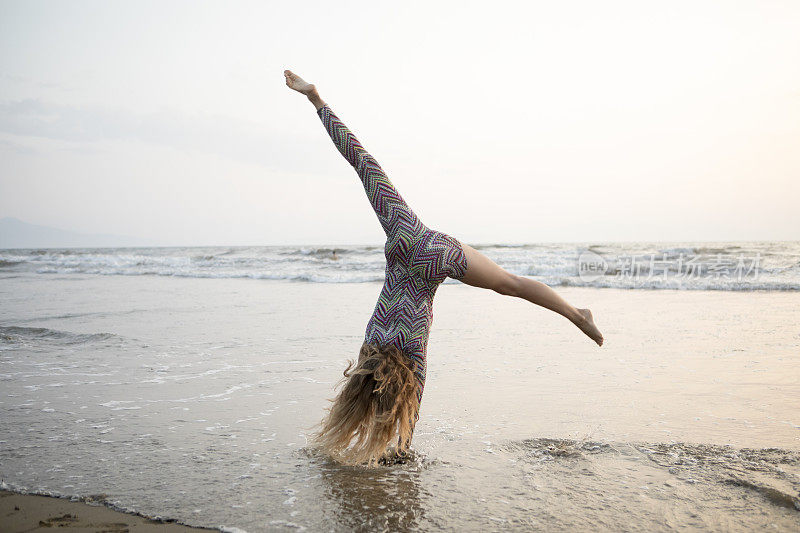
(680, 266)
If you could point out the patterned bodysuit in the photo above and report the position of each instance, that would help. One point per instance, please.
(418, 259)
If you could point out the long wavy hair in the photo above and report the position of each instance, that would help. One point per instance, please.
(377, 402)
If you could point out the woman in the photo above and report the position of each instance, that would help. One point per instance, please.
(382, 392)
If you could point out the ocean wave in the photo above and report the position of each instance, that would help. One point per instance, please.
(770, 472)
(14, 334)
(650, 266)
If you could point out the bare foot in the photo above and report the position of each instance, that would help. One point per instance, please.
(293, 81)
(587, 326)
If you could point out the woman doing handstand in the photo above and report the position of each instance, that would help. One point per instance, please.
(381, 394)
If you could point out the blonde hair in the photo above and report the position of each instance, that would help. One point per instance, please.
(378, 401)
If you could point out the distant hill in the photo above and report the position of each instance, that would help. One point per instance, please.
(15, 233)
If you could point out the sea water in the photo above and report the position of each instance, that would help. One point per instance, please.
(184, 383)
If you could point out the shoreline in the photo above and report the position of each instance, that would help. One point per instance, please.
(23, 511)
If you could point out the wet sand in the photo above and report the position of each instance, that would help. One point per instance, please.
(28, 512)
(192, 399)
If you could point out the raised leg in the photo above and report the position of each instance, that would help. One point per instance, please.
(397, 219)
(485, 273)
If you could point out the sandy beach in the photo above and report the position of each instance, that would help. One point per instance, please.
(26, 512)
(191, 399)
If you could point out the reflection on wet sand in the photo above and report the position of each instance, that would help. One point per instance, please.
(376, 499)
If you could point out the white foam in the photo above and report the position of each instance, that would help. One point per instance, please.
(554, 264)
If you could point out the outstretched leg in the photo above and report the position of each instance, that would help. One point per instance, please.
(485, 273)
(397, 219)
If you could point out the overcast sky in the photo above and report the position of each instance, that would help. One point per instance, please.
(497, 121)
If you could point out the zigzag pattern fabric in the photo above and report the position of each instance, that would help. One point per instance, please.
(418, 259)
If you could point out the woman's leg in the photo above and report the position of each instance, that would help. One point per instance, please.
(400, 223)
(485, 273)
(397, 219)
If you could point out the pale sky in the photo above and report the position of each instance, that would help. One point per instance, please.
(497, 121)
